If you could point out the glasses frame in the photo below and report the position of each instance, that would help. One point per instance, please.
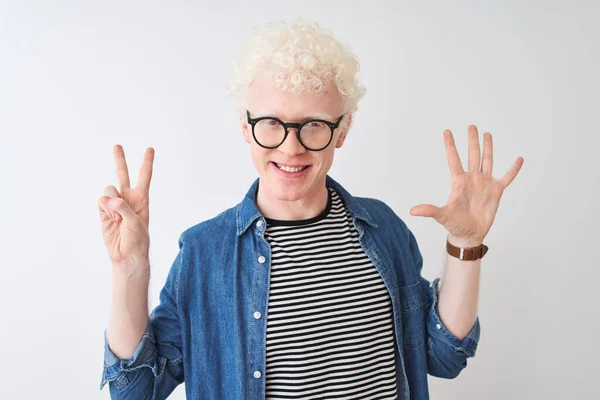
(298, 126)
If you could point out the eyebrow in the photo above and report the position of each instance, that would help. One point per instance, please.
(308, 116)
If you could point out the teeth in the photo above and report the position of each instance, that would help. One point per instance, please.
(290, 169)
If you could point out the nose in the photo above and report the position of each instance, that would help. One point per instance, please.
(291, 145)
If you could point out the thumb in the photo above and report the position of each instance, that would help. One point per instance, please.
(426, 210)
(119, 205)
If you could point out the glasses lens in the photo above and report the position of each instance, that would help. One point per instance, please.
(269, 132)
(315, 134)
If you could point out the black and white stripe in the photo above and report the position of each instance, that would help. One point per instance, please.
(329, 320)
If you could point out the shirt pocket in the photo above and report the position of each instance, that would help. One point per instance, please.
(413, 318)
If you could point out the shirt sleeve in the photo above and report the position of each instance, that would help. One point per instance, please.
(156, 366)
(446, 353)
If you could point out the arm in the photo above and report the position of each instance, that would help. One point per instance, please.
(468, 216)
(129, 308)
(446, 353)
(155, 366)
(459, 291)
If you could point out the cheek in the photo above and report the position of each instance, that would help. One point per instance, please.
(324, 160)
(260, 156)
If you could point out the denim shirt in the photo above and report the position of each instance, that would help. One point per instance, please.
(205, 329)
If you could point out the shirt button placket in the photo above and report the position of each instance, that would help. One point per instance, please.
(257, 314)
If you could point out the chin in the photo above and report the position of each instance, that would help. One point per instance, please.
(287, 193)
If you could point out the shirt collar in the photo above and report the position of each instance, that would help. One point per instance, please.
(247, 211)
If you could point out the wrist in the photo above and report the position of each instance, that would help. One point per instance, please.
(125, 275)
(463, 241)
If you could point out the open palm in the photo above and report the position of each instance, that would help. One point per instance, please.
(475, 195)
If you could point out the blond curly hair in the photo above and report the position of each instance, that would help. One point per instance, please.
(298, 56)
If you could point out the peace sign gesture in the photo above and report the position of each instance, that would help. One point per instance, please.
(475, 195)
(124, 213)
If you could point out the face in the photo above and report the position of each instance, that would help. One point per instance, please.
(266, 100)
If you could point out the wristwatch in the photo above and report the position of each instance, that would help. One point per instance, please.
(466, 253)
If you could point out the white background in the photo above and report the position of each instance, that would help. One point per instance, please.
(77, 77)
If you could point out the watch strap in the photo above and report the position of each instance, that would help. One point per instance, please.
(466, 253)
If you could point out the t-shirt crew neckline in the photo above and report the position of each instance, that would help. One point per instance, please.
(322, 215)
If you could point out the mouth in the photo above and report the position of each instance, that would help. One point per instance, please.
(294, 172)
(290, 168)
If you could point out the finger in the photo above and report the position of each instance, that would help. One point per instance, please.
(105, 212)
(512, 172)
(121, 166)
(451, 154)
(146, 170)
(488, 154)
(427, 210)
(120, 206)
(474, 149)
(110, 192)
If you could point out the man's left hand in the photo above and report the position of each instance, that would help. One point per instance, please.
(475, 195)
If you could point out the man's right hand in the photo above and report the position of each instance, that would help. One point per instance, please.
(124, 213)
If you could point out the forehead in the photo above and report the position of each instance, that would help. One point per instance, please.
(260, 112)
(264, 98)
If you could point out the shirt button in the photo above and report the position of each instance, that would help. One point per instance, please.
(438, 326)
(259, 223)
(257, 374)
(257, 314)
(261, 259)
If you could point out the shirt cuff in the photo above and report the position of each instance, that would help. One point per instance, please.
(144, 356)
(438, 331)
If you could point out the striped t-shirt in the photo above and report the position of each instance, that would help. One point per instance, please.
(329, 319)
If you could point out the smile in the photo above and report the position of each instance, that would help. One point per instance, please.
(291, 169)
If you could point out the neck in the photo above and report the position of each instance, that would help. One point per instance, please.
(291, 210)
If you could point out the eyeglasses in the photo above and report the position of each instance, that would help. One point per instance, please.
(271, 132)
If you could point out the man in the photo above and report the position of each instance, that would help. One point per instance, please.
(301, 290)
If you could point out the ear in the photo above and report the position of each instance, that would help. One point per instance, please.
(345, 128)
(245, 128)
